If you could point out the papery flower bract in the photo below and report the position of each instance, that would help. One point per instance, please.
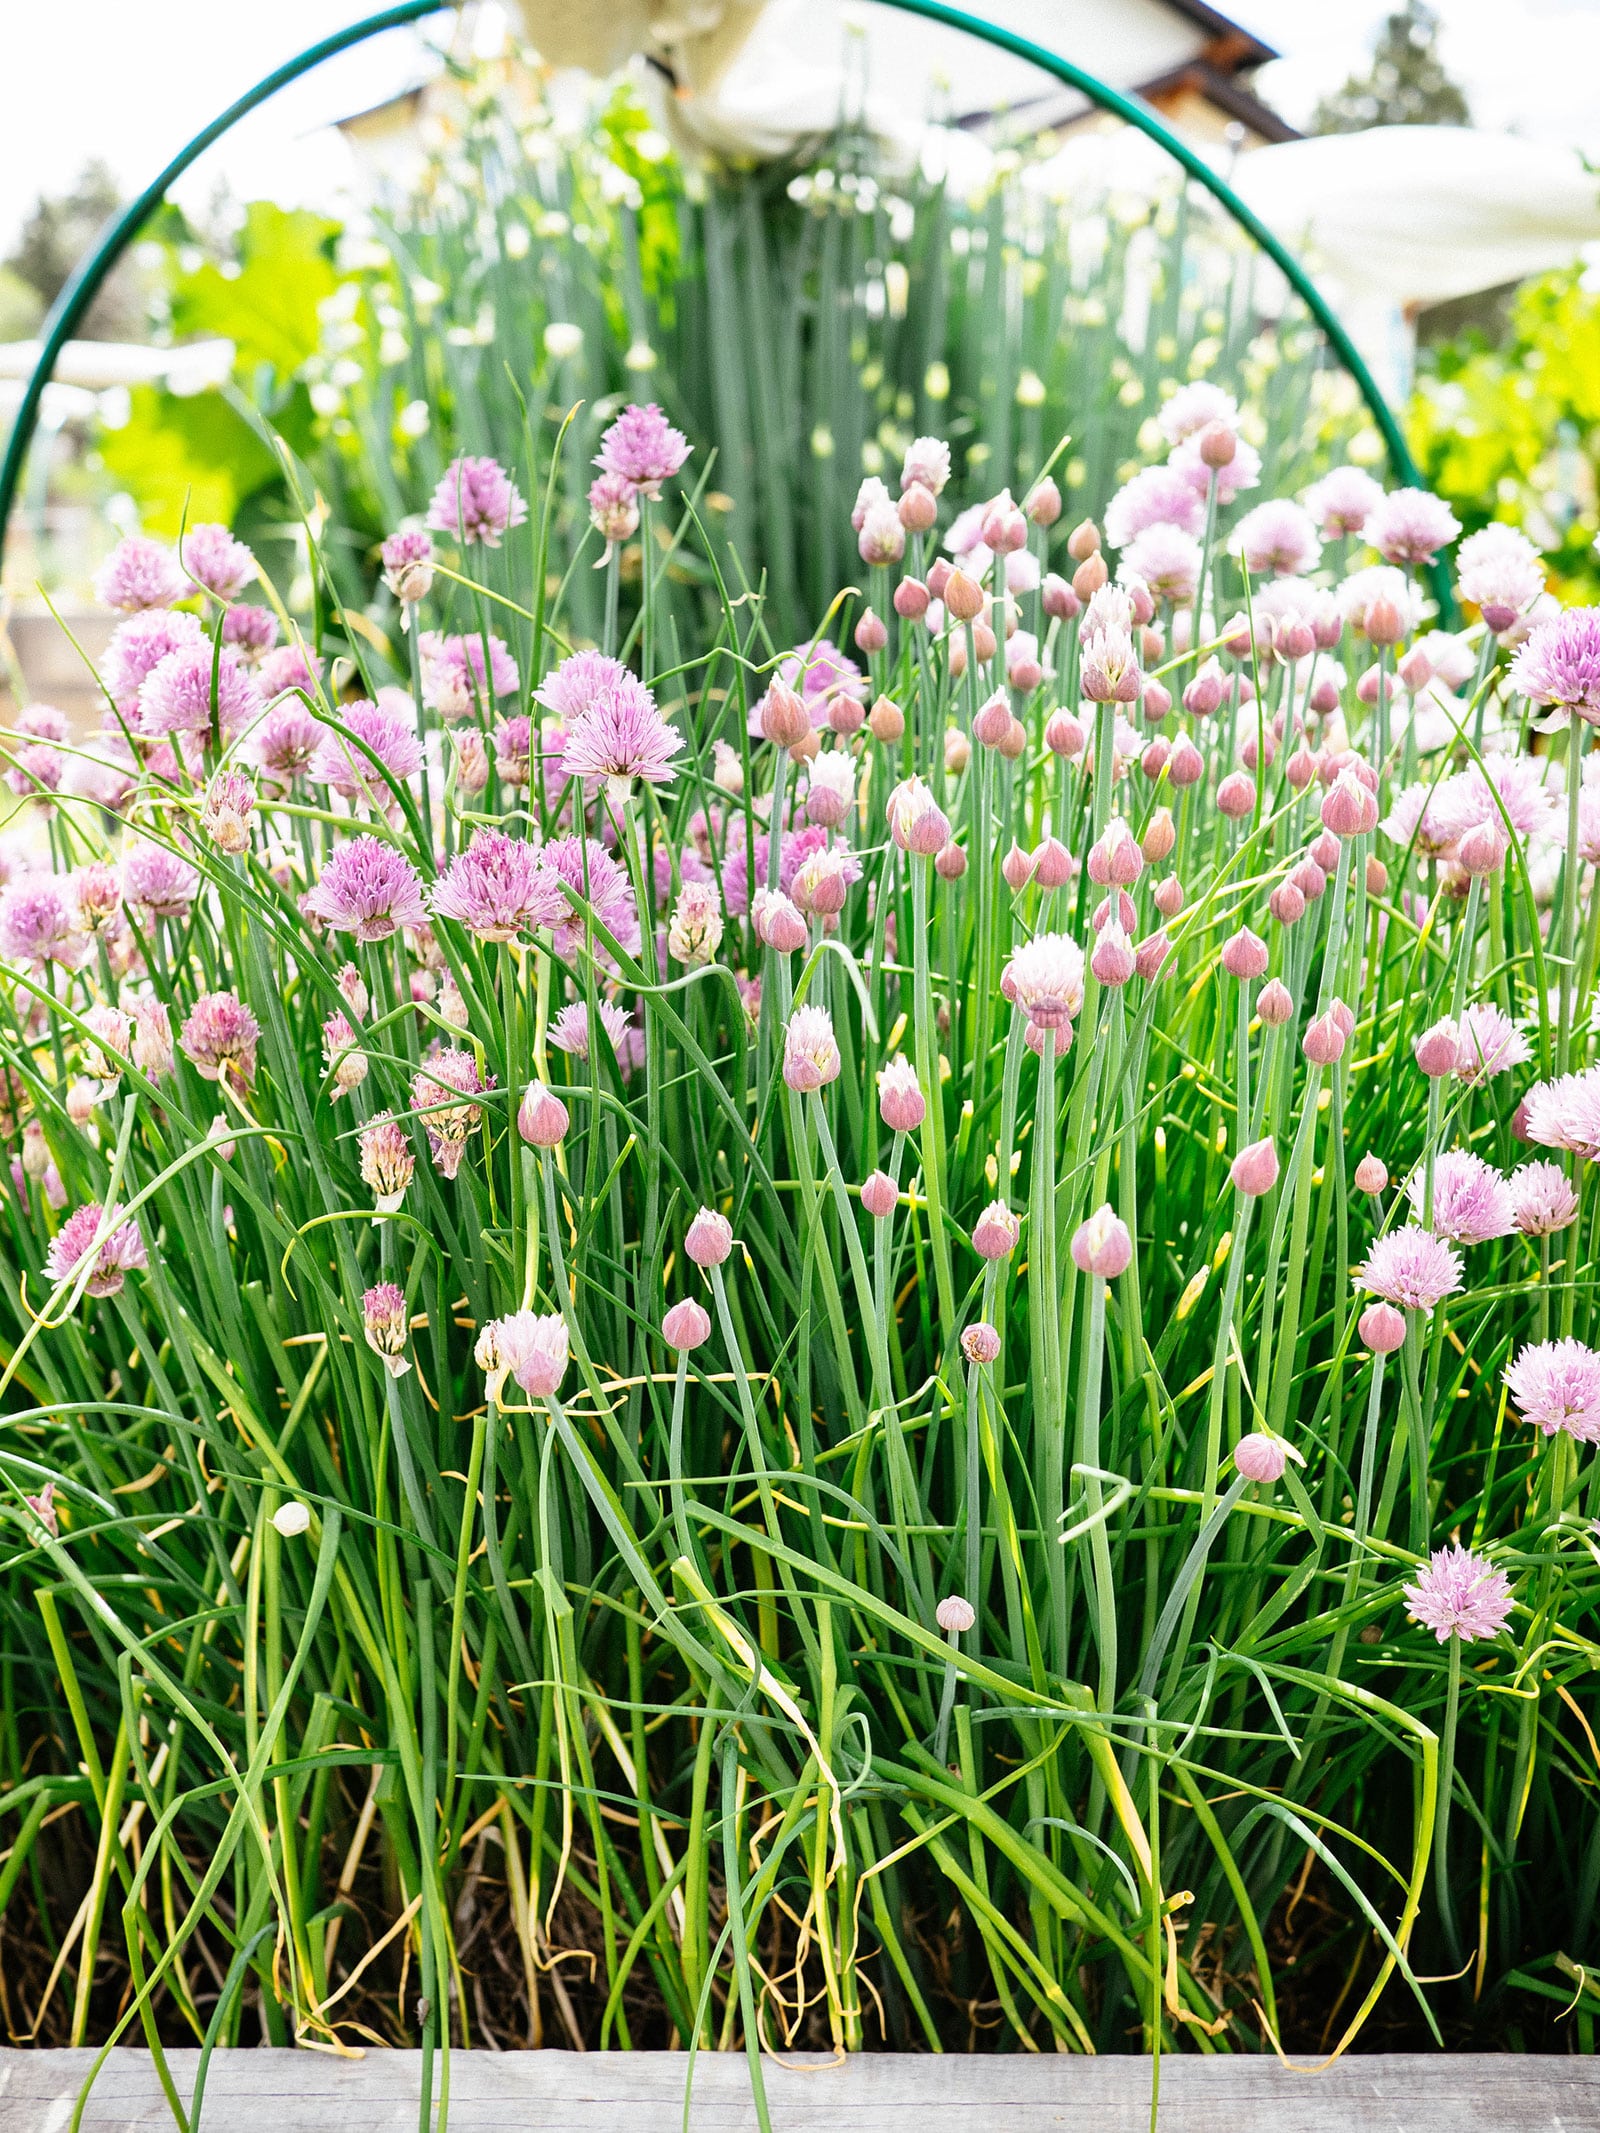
(387, 1326)
(1471, 1200)
(120, 1252)
(1261, 1458)
(497, 889)
(542, 1118)
(449, 1124)
(219, 1037)
(1556, 1386)
(810, 1050)
(368, 888)
(476, 500)
(139, 574)
(1411, 1269)
(916, 822)
(980, 1342)
(1102, 1246)
(215, 560)
(387, 1161)
(1542, 1199)
(1460, 1595)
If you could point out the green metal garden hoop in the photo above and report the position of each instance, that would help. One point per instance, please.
(85, 284)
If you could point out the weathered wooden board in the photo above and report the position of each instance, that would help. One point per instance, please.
(642, 2092)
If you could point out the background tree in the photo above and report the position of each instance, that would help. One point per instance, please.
(1406, 85)
(55, 235)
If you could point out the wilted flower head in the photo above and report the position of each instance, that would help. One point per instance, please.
(1542, 1199)
(151, 1049)
(810, 1050)
(215, 560)
(220, 1038)
(449, 1124)
(119, 1253)
(368, 888)
(619, 736)
(643, 448)
(1471, 1200)
(1559, 666)
(1411, 1269)
(387, 1162)
(1459, 1595)
(496, 888)
(386, 1324)
(695, 933)
(1556, 1386)
(476, 501)
(1410, 526)
(138, 574)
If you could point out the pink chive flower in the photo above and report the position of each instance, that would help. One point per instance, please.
(453, 673)
(342, 1056)
(408, 565)
(225, 817)
(590, 871)
(1279, 537)
(1459, 1595)
(138, 646)
(1559, 666)
(1488, 1043)
(527, 1346)
(980, 1344)
(216, 561)
(1244, 955)
(175, 696)
(476, 500)
(1102, 1246)
(569, 689)
(1046, 979)
(291, 666)
(1411, 1269)
(926, 464)
(346, 765)
(1542, 1199)
(441, 1091)
(1410, 526)
(1380, 585)
(709, 1238)
(497, 889)
(43, 1507)
(1565, 1113)
(1556, 1386)
(1342, 501)
(387, 1162)
(995, 1233)
(151, 1047)
(286, 742)
(1195, 460)
(900, 1099)
(97, 891)
(139, 574)
(1499, 571)
(622, 736)
(368, 888)
(686, 1326)
(643, 448)
(220, 1039)
(1167, 559)
(1155, 496)
(1471, 1200)
(613, 510)
(1111, 959)
(38, 923)
(387, 1326)
(120, 1252)
(157, 882)
(569, 1032)
(810, 1050)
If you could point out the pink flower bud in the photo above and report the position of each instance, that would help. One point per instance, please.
(1382, 1328)
(1287, 904)
(1014, 741)
(1089, 576)
(980, 1343)
(1344, 1016)
(1004, 527)
(1385, 623)
(1236, 795)
(1116, 904)
(1309, 879)
(1157, 699)
(1300, 769)
(1244, 954)
(963, 597)
(785, 719)
(911, 599)
(1167, 896)
(1063, 735)
(900, 1099)
(1377, 876)
(1160, 835)
(1274, 1003)
(1416, 669)
(709, 1239)
(871, 636)
(1202, 695)
(1325, 851)
(1017, 868)
(686, 1325)
(1154, 759)
(950, 862)
(777, 922)
(939, 576)
(1218, 446)
(1325, 697)
(1044, 502)
(1323, 1042)
(1111, 958)
(886, 720)
(1259, 1457)
(919, 508)
(1371, 1175)
(1058, 599)
(1255, 1169)
(957, 751)
(954, 1615)
(1150, 955)
(1438, 1049)
(1053, 865)
(1348, 809)
(1115, 857)
(878, 1194)
(542, 1119)
(1102, 1246)
(1293, 639)
(990, 720)
(1083, 541)
(1482, 849)
(996, 1231)
(1186, 765)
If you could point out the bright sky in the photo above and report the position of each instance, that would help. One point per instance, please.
(132, 80)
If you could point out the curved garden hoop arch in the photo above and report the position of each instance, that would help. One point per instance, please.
(80, 291)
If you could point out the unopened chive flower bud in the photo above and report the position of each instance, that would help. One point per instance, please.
(1325, 851)
(1167, 896)
(1482, 849)
(1244, 954)
(1186, 765)
(1377, 877)
(870, 634)
(1371, 1174)
(1156, 701)
(939, 576)
(995, 1233)
(1323, 1042)
(1255, 1169)
(1348, 809)
(1160, 835)
(990, 721)
(810, 1051)
(1218, 446)
(1016, 869)
(1236, 795)
(918, 509)
(1053, 864)
(1150, 955)
(709, 1238)
(384, 1320)
(1102, 1246)
(916, 822)
(1044, 502)
(785, 720)
(900, 1099)
(1115, 904)
(291, 1519)
(1438, 1050)
(225, 817)
(980, 1344)
(686, 1325)
(1301, 769)
(1013, 742)
(727, 773)
(950, 862)
(1274, 1003)
(537, 1348)
(1287, 904)
(957, 751)
(963, 597)
(822, 883)
(1261, 1458)
(1382, 1328)
(1083, 541)
(1058, 599)
(1154, 759)
(878, 1194)
(911, 599)
(1309, 879)
(1203, 695)
(777, 922)
(1111, 958)
(387, 1162)
(1064, 735)
(1385, 624)
(1115, 857)
(542, 1118)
